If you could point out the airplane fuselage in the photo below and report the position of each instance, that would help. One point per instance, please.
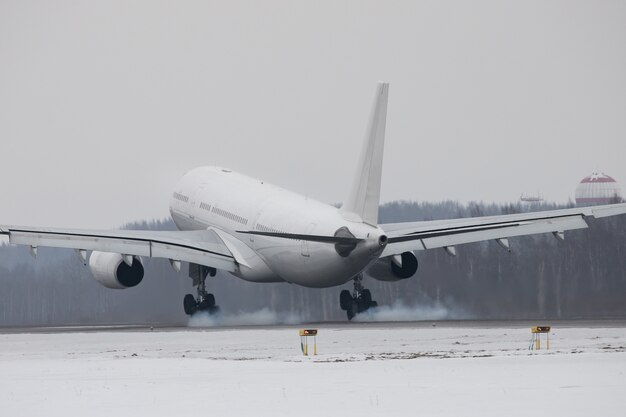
(212, 197)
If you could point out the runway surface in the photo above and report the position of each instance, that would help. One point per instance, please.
(443, 368)
(175, 327)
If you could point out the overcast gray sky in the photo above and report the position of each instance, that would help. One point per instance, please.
(105, 104)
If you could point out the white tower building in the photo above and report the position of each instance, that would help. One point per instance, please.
(598, 188)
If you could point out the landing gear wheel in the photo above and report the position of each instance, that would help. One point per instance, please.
(353, 309)
(366, 297)
(204, 301)
(189, 303)
(345, 299)
(207, 302)
(210, 299)
(357, 302)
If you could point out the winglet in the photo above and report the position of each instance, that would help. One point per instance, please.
(364, 195)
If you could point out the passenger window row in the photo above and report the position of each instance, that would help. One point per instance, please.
(263, 228)
(230, 216)
(181, 197)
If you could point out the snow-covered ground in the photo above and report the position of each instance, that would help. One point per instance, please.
(360, 370)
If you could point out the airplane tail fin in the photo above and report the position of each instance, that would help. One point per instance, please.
(365, 192)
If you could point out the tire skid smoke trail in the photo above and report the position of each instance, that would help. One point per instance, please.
(401, 312)
(263, 317)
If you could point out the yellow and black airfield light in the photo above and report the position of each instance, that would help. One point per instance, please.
(304, 341)
(535, 341)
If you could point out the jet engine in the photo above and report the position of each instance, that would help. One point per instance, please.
(110, 270)
(394, 268)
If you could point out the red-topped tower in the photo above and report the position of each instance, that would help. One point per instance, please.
(598, 188)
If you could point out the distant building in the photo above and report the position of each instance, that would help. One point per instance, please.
(598, 188)
(530, 198)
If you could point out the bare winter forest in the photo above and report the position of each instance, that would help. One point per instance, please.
(584, 276)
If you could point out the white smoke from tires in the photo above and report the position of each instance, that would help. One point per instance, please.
(401, 312)
(263, 317)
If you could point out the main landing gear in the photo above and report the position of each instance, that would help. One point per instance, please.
(359, 301)
(204, 301)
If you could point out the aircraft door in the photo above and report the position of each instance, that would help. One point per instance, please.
(196, 201)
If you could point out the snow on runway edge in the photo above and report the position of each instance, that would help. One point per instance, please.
(359, 371)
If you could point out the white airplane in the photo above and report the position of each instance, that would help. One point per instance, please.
(262, 233)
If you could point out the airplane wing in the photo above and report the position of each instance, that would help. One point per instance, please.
(448, 233)
(203, 247)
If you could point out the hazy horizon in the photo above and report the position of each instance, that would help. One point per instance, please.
(104, 105)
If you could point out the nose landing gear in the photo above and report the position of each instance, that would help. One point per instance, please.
(204, 301)
(359, 301)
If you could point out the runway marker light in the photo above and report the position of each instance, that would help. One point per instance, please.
(304, 341)
(535, 341)
(540, 329)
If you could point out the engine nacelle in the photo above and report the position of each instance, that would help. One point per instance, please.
(394, 268)
(110, 270)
